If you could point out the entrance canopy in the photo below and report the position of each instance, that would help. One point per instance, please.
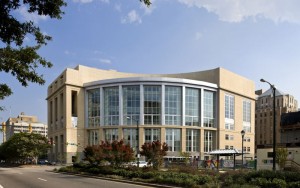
(225, 152)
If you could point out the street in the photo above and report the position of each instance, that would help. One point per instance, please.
(38, 176)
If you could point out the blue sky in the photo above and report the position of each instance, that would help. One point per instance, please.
(253, 38)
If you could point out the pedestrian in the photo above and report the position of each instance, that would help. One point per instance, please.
(221, 163)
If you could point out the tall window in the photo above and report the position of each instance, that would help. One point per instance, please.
(192, 140)
(152, 135)
(209, 109)
(111, 134)
(208, 141)
(93, 137)
(229, 112)
(93, 107)
(130, 137)
(131, 104)
(173, 137)
(192, 106)
(247, 116)
(152, 105)
(111, 106)
(173, 105)
(229, 107)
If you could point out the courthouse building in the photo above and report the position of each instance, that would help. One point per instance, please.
(193, 112)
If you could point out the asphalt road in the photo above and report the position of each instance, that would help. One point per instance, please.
(39, 177)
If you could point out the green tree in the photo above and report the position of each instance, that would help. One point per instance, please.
(93, 154)
(115, 152)
(154, 152)
(22, 146)
(281, 156)
(17, 58)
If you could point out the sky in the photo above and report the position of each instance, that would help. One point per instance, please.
(253, 38)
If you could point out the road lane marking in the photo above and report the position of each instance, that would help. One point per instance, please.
(39, 179)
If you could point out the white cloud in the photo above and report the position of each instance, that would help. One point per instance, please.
(105, 61)
(239, 10)
(67, 52)
(34, 17)
(101, 60)
(132, 17)
(198, 35)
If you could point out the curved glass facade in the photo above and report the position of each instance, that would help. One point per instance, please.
(151, 105)
(180, 114)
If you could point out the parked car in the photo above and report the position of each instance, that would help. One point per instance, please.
(43, 162)
(141, 164)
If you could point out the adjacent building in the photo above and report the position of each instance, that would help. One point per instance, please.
(193, 112)
(285, 108)
(23, 123)
(264, 115)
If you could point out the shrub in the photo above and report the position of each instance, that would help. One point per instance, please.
(148, 175)
(203, 179)
(278, 183)
(94, 170)
(295, 184)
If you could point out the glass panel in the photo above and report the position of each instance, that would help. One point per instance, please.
(93, 107)
(208, 143)
(192, 106)
(131, 104)
(209, 109)
(152, 135)
(173, 105)
(111, 134)
(152, 105)
(111, 106)
(130, 137)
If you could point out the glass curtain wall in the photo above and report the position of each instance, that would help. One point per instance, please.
(93, 107)
(111, 106)
(173, 105)
(152, 105)
(192, 106)
(131, 104)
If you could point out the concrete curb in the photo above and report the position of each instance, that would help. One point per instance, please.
(117, 180)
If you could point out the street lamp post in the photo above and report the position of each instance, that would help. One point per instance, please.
(274, 123)
(243, 134)
(138, 139)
